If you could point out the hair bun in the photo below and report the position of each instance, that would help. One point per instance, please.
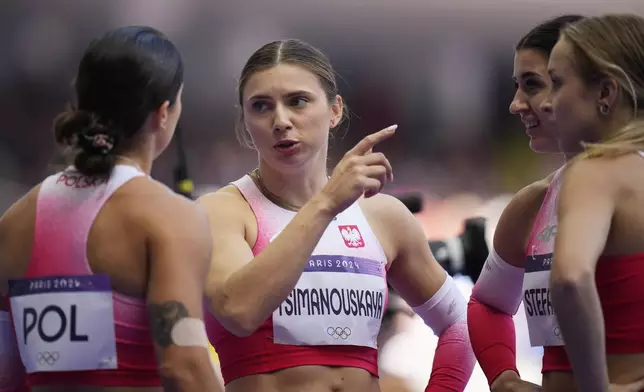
(69, 124)
(97, 143)
(82, 129)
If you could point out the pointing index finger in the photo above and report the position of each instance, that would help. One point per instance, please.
(365, 145)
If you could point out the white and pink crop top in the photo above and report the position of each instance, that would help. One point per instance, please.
(70, 327)
(333, 315)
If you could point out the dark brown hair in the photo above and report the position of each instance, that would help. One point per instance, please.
(544, 36)
(123, 76)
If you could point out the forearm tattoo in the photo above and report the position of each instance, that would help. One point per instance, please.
(163, 317)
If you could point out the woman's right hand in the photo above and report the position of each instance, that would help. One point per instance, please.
(361, 171)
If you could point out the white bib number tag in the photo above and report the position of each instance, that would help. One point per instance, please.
(543, 327)
(339, 300)
(64, 323)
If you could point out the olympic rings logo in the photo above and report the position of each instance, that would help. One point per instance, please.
(339, 332)
(49, 358)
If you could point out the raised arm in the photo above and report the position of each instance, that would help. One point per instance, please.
(244, 290)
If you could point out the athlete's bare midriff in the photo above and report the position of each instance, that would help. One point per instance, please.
(308, 378)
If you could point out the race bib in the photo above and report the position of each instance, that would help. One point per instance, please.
(64, 323)
(542, 322)
(338, 300)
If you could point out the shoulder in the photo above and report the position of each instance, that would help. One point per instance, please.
(157, 208)
(18, 221)
(25, 205)
(600, 175)
(228, 211)
(396, 227)
(528, 200)
(223, 199)
(515, 224)
(227, 201)
(386, 209)
(599, 169)
(16, 234)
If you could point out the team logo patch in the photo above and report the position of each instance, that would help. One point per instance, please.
(351, 236)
